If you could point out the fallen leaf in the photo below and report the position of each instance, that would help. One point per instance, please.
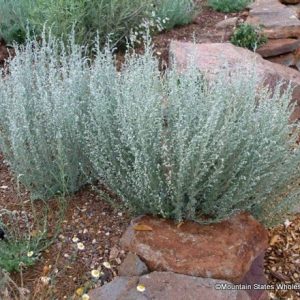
(107, 265)
(287, 223)
(279, 276)
(142, 227)
(46, 270)
(79, 291)
(274, 239)
(180, 224)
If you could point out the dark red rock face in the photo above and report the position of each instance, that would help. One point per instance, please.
(223, 251)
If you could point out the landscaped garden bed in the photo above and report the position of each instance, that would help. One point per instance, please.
(86, 148)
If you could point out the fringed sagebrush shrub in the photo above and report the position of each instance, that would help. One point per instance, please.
(185, 148)
(43, 98)
(174, 144)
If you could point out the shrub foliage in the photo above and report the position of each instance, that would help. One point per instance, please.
(173, 145)
(114, 17)
(42, 102)
(248, 36)
(228, 6)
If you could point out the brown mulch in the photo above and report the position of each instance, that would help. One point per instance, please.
(282, 260)
(99, 227)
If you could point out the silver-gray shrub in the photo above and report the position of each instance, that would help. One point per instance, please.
(185, 148)
(172, 144)
(43, 97)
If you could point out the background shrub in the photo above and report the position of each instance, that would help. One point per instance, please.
(248, 36)
(13, 19)
(175, 12)
(114, 17)
(227, 6)
(176, 145)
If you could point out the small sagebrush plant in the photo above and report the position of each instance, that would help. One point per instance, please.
(43, 98)
(228, 6)
(175, 144)
(248, 36)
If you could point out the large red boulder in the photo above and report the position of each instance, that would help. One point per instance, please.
(223, 251)
(211, 58)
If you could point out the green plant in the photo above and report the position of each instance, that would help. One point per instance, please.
(90, 17)
(26, 233)
(185, 148)
(174, 145)
(248, 36)
(227, 6)
(13, 19)
(175, 12)
(41, 129)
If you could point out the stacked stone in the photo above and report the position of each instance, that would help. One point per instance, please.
(281, 24)
(170, 261)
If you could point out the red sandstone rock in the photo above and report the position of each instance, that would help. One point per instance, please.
(277, 47)
(287, 60)
(132, 266)
(296, 9)
(211, 58)
(256, 275)
(290, 1)
(278, 20)
(223, 251)
(4, 54)
(166, 286)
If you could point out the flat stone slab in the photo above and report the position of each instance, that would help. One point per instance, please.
(132, 266)
(295, 8)
(224, 250)
(284, 59)
(277, 47)
(278, 20)
(167, 286)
